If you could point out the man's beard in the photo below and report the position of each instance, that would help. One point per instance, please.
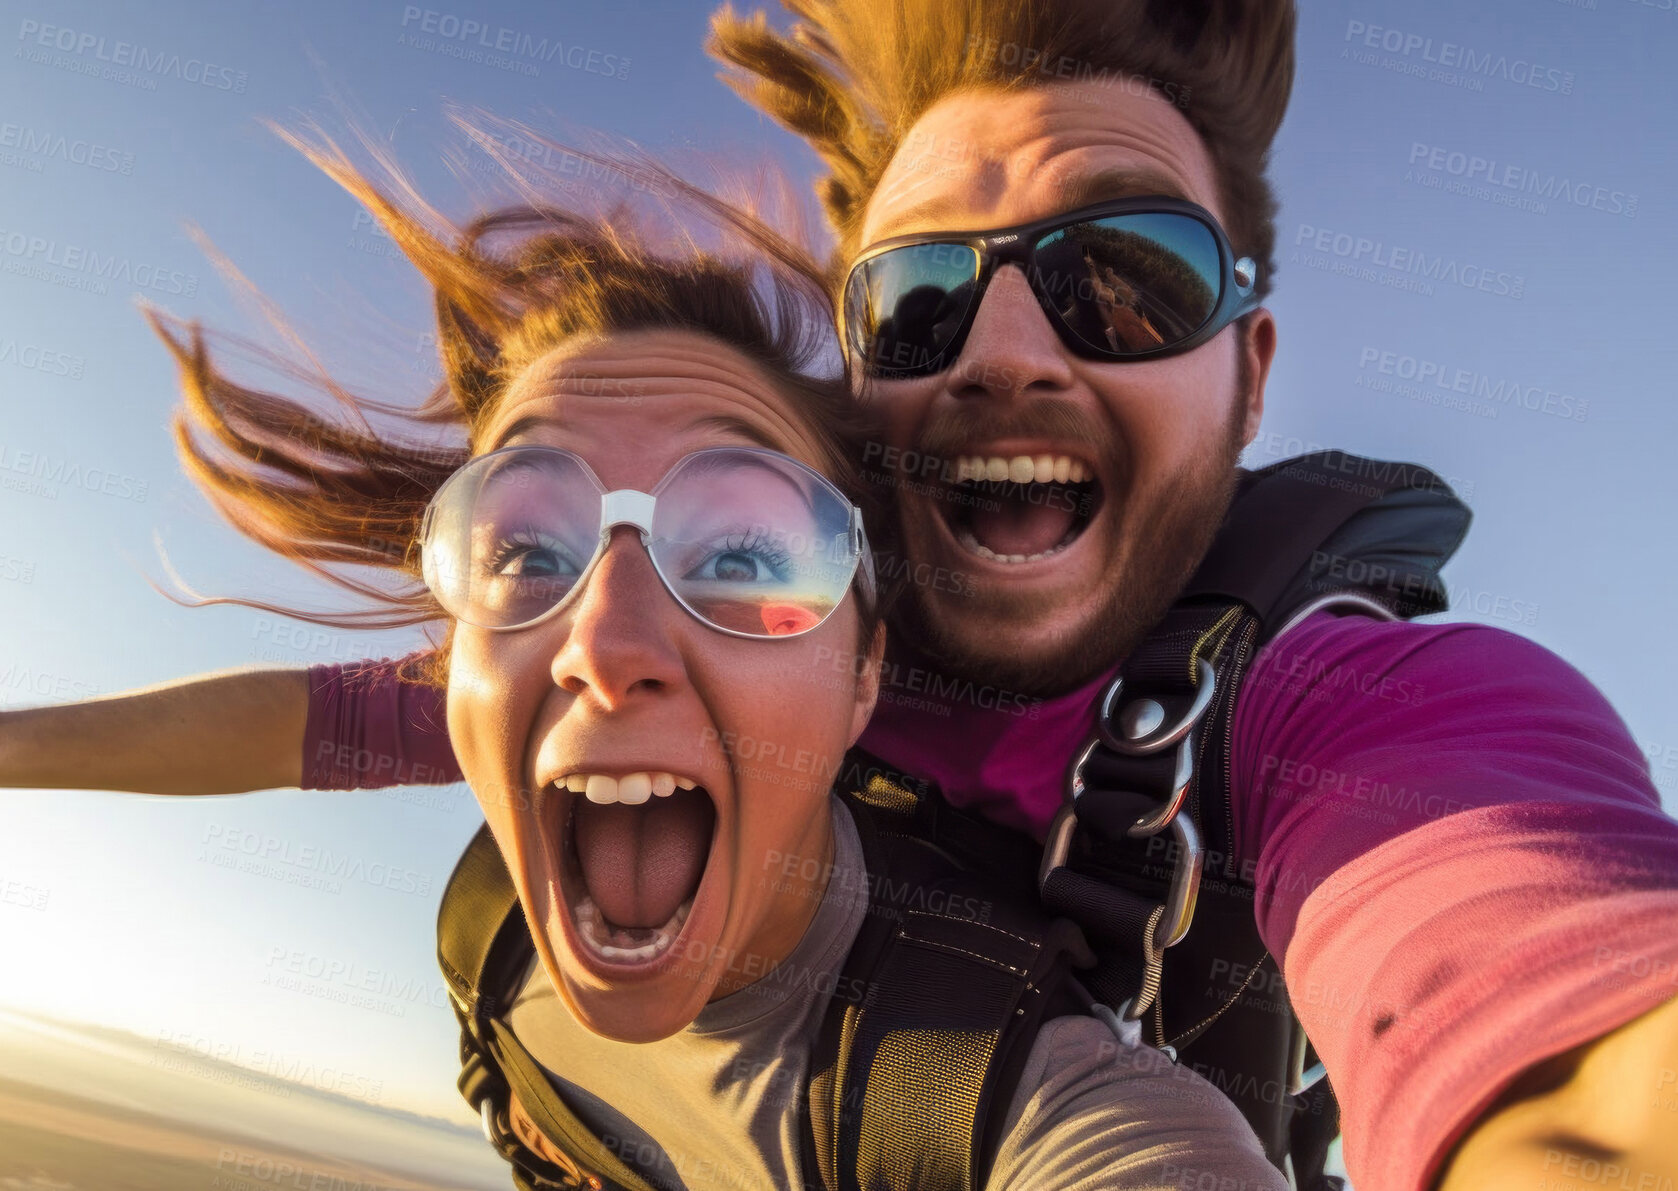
(1167, 540)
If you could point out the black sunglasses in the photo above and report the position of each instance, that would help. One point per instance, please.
(1130, 279)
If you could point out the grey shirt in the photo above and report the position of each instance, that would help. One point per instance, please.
(717, 1105)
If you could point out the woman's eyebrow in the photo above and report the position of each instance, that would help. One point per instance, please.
(730, 424)
(520, 426)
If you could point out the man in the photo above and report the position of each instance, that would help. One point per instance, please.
(978, 116)
(1487, 966)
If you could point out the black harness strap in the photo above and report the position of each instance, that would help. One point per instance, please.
(939, 1001)
(1324, 525)
(484, 949)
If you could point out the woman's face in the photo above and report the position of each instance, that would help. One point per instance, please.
(623, 686)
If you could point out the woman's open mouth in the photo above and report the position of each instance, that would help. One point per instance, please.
(1020, 508)
(636, 851)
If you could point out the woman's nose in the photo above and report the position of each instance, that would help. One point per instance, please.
(622, 629)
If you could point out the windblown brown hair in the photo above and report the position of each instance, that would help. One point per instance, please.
(853, 76)
(340, 497)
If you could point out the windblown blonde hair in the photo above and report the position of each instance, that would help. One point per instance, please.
(346, 500)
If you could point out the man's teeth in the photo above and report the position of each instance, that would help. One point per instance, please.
(1023, 469)
(632, 789)
(967, 539)
(626, 945)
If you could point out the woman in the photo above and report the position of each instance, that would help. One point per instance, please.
(634, 589)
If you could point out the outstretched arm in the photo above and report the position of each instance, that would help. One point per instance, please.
(1465, 868)
(209, 734)
(359, 726)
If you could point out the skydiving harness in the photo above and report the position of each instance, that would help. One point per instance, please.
(923, 1039)
(1144, 845)
(903, 1081)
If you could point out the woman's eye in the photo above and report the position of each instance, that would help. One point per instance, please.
(735, 566)
(752, 560)
(525, 559)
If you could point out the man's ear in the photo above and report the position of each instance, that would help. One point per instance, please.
(1258, 345)
(868, 684)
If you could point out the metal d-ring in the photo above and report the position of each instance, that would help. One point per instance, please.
(1181, 778)
(1160, 738)
(1185, 886)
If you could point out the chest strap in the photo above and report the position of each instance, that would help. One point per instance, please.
(940, 1000)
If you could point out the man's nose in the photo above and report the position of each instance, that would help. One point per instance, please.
(622, 627)
(1011, 349)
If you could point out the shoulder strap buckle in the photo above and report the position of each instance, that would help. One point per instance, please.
(1139, 729)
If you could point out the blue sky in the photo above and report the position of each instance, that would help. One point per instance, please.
(1476, 243)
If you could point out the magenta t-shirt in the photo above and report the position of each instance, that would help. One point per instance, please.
(1459, 855)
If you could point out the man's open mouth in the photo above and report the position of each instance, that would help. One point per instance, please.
(636, 849)
(1020, 508)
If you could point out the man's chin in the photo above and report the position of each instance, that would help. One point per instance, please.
(1035, 648)
(1041, 639)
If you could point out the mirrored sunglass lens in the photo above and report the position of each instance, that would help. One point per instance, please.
(1132, 283)
(753, 545)
(905, 306)
(512, 535)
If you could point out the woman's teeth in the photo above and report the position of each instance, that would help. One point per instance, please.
(1023, 469)
(632, 789)
(626, 944)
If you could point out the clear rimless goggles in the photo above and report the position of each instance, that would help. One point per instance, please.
(751, 542)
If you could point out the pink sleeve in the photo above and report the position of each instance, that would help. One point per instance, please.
(368, 729)
(1461, 862)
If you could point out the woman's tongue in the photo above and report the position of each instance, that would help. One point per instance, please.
(1012, 525)
(641, 862)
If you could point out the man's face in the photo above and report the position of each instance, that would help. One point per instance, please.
(1057, 589)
